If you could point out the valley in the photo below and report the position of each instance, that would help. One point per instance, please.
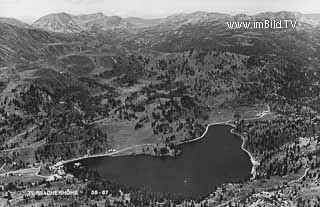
(84, 86)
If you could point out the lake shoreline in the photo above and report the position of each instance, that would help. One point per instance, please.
(113, 154)
(189, 173)
(253, 161)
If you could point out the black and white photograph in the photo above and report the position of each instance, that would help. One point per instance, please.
(160, 103)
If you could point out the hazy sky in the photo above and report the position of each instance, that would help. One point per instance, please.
(31, 9)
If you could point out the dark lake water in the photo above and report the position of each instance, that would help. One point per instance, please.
(203, 164)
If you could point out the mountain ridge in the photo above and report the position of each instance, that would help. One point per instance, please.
(15, 22)
(69, 23)
(82, 85)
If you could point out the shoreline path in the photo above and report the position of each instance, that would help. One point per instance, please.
(254, 162)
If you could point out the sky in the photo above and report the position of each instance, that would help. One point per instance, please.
(29, 10)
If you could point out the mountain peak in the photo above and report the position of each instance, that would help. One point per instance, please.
(193, 18)
(58, 22)
(67, 23)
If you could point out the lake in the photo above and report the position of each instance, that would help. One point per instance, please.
(203, 165)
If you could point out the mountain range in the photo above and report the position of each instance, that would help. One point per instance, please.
(175, 33)
(68, 23)
(63, 22)
(73, 85)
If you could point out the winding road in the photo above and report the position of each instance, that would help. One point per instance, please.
(3, 166)
(38, 145)
(253, 161)
(299, 179)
